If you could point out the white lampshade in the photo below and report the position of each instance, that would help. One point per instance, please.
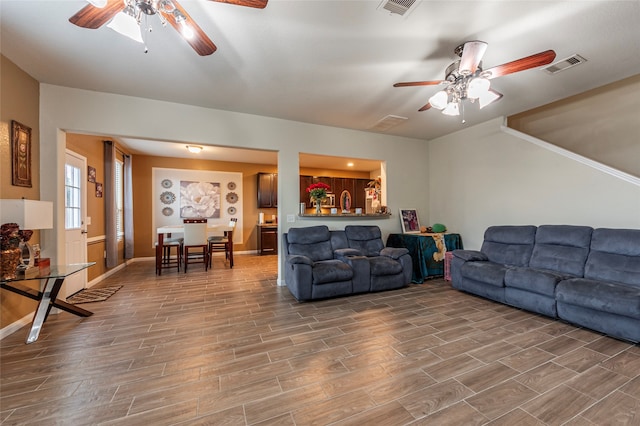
(488, 97)
(126, 25)
(451, 109)
(28, 214)
(478, 87)
(439, 100)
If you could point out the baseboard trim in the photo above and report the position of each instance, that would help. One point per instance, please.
(16, 325)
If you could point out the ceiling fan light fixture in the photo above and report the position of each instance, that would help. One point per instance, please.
(194, 149)
(125, 24)
(488, 97)
(477, 87)
(439, 100)
(452, 109)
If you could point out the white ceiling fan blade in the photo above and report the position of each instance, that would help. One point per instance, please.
(472, 54)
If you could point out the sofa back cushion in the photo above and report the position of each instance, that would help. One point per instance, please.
(614, 256)
(313, 242)
(561, 248)
(508, 244)
(367, 239)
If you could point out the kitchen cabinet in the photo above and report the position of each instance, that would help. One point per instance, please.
(267, 239)
(267, 190)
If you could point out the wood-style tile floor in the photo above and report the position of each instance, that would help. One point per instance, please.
(230, 347)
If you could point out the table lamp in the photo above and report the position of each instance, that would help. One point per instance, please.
(28, 214)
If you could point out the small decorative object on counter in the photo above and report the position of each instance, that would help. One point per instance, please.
(318, 192)
(438, 228)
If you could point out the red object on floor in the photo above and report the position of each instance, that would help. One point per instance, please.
(447, 265)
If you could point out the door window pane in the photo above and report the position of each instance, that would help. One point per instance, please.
(72, 208)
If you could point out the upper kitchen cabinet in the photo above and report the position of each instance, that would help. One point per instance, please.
(267, 190)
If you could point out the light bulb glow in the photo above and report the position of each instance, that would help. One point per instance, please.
(186, 30)
(195, 149)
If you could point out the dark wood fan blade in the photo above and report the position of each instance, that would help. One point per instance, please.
(94, 17)
(259, 4)
(542, 58)
(200, 42)
(419, 83)
(426, 107)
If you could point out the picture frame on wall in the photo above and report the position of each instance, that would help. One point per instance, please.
(91, 174)
(409, 221)
(20, 154)
(99, 190)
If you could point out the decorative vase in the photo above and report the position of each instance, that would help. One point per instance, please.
(9, 261)
(318, 207)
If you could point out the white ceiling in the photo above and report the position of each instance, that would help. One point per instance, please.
(330, 62)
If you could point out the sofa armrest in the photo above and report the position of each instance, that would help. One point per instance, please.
(470, 255)
(394, 252)
(342, 254)
(298, 259)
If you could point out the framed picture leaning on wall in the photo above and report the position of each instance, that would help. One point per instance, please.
(409, 221)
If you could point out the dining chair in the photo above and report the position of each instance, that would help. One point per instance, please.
(222, 243)
(195, 238)
(164, 258)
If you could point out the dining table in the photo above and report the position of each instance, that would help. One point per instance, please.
(212, 229)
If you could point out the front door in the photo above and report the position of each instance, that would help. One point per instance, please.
(75, 207)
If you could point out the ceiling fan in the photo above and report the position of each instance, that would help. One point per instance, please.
(125, 16)
(467, 80)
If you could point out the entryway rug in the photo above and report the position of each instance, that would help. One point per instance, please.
(89, 295)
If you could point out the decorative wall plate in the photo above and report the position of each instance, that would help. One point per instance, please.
(232, 197)
(166, 183)
(231, 210)
(167, 197)
(167, 211)
(231, 186)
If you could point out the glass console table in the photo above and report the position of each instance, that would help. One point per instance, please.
(47, 297)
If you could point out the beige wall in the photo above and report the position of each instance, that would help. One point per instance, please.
(19, 101)
(602, 124)
(483, 176)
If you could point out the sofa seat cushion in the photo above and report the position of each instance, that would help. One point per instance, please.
(534, 280)
(382, 265)
(603, 296)
(329, 271)
(485, 272)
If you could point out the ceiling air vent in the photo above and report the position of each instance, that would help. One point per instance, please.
(565, 64)
(388, 122)
(398, 7)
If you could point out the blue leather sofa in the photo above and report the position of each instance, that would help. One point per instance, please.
(321, 263)
(585, 276)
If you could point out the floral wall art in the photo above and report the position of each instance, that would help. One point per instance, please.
(179, 194)
(199, 199)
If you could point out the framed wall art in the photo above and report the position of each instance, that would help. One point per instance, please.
(99, 190)
(91, 174)
(20, 154)
(409, 221)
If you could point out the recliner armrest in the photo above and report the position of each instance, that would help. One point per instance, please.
(298, 259)
(470, 255)
(394, 252)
